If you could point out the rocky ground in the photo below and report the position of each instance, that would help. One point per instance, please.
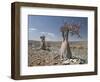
(39, 57)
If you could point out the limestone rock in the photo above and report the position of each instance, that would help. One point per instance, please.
(71, 61)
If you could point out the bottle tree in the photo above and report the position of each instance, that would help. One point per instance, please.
(43, 43)
(66, 29)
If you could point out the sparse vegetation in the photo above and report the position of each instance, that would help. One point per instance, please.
(51, 56)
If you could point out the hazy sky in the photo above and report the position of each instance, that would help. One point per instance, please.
(50, 27)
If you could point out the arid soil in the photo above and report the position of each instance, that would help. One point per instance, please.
(51, 56)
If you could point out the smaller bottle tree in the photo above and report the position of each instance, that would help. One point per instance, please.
(43, 43)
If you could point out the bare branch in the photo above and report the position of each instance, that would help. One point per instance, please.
(72, 28)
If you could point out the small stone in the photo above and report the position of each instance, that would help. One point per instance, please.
(55, 63)
(66, 62)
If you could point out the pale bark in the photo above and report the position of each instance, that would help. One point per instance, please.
(65, 48)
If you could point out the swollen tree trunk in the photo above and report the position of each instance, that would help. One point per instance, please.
(43, 44)
(68, 51)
